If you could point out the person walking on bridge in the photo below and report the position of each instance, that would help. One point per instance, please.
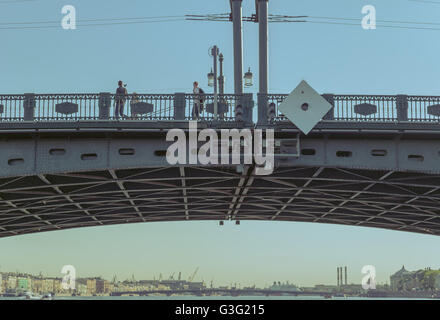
(198, 101)
(121, 94)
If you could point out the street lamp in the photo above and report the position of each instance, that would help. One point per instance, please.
(211, 79)
(248, 78)
(214, 51)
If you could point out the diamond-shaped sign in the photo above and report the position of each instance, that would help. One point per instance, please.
(304, 107)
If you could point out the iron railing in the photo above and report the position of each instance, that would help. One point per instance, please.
(375, 108)
(11, 107)
(424, 108)
(181, 106)
(226, 106)
(107, 106)
(66, 107)
(144, 107)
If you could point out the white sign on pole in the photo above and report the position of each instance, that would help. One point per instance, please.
(304, 107)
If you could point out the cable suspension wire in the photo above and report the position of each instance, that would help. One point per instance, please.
(426, 1)
(378, 20)
(89, 25)
(412, 25)
(397, 24)
(15, 1)
(378, 26)
(95, 19)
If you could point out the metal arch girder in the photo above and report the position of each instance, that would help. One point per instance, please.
(410, 202)
(23, 157)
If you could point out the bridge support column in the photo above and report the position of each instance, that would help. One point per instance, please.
(238, 45)
(105, 102)
(248, 107)
(29, 107)
(402, 107)
(330, 97)
(262, 108)
(179, 106)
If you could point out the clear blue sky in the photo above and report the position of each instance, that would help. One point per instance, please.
(168, 57)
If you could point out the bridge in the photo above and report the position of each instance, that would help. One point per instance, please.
(67, 162)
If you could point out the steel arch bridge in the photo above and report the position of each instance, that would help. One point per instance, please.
(66, 163)
(61, 180)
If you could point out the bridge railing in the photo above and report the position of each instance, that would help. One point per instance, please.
(227, 106)
(374, 108)
(180, 106)
(424, 108)
(64, 107)
(106, 106)
(11, 107)
(144, 107)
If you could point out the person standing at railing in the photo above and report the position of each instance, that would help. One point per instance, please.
(198, 101)
(121, 94)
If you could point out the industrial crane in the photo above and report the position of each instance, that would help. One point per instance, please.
(191, 278)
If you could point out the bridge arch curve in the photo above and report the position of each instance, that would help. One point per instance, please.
(71, 179)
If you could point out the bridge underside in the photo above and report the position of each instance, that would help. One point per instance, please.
(370, 198)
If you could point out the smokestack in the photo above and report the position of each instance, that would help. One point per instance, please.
(345, 275)
(341, 273)
(337, 270)
(340, 276)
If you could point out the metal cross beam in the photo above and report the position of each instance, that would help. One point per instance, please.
(385, 199)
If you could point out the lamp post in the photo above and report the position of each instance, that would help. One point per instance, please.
(221, 78)
(212, 79)
(248, 78)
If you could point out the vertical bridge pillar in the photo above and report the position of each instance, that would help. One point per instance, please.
(29, 107)
(402, 107)
(179, 106)
(104, 104)
(238, 45)
(248, 105)
(262, 108)
(262, 16)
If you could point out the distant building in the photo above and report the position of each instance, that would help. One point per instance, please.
(278, 286)
(12, 283)
(404, 280)
(48, 286)
(23, 284)
(352, 288)
(102, 286)
(91, 286)
(81, 287)
(37, 285)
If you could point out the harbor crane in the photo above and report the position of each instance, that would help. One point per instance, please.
(191, 278)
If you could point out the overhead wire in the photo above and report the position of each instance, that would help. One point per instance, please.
(80, 22)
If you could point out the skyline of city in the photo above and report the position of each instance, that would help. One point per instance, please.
(419, 283)
(307, 270)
